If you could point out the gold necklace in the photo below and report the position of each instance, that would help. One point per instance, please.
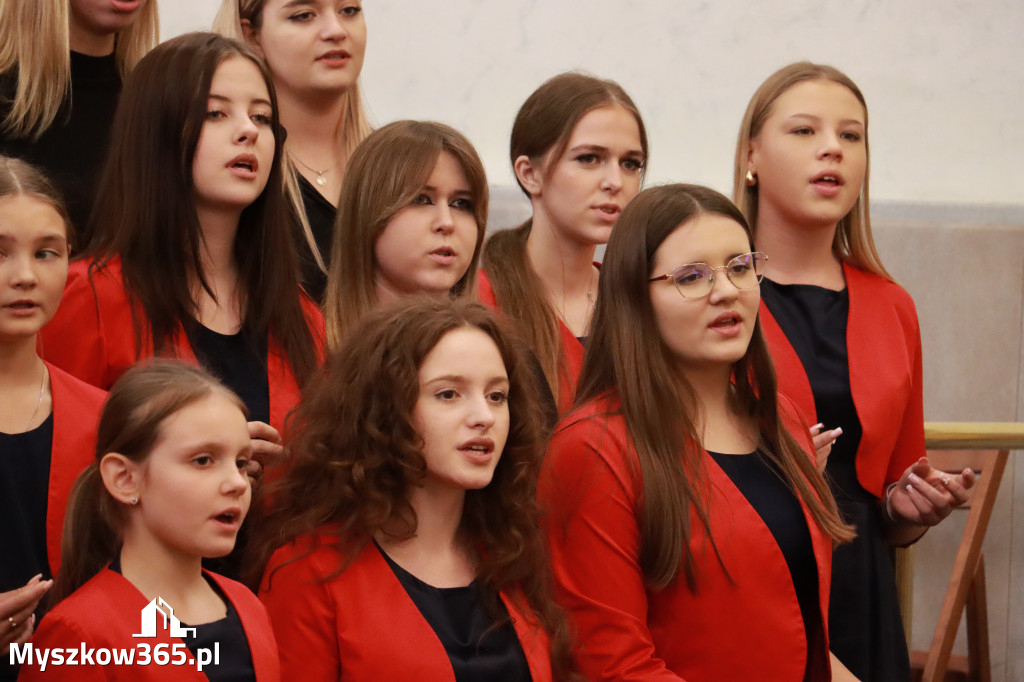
(39, 401)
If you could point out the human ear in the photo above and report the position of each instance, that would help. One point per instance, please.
(529, 174)
(121, 477)
(252, 37)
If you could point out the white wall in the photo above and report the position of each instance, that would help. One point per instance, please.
(942, 78)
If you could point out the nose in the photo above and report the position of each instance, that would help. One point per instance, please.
(722, 288)
(23, 272)
(247, 131)
(481, 414)
(444, 220)
(236, 482)
(332, 28)
(612, 180)
(830, 146)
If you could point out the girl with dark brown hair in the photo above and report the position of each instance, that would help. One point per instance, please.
(195, 256)
(406, 538)
(47, 417)
(578, 149)
(167, 487)
(412, 218)
(684, 503)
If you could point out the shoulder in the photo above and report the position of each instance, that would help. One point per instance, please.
(94, 610)
(591, 441)
(87, 396)
(102, 277)
(313, 558)
(877, 290)
(484, 289)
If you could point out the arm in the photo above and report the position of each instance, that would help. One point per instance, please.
(594, 545)
(302, 610)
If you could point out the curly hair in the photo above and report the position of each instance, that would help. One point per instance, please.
(356, 453)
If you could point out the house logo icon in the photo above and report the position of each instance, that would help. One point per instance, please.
(170, 622)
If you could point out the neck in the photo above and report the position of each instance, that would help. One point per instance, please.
(799, 254)
(89, 43)
(219, 229)
(157, 571)
(312, 124)
(565, 266)
(438, 515)
(19, 362)
(721, 429)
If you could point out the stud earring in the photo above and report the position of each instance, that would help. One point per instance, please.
(751, 179)
(133, 500)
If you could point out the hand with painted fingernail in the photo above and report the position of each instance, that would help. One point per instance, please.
(17, 620)
(924, 496)
(823, 440)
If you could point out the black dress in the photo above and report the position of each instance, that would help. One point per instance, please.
(865, 627)
(320, 214)
(72, 150)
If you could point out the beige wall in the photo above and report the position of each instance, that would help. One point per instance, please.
(964, 267)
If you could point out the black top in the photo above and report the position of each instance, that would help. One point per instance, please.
(320, 214)
(763, 485)
(240, 363)
(72, 150)
(459, 620)
(228, 647)
(24, 486)
(865, 627)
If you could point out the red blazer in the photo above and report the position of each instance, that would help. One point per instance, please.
(571, 345)
(76, 414)
(361, 624)
(92, 336)
(746, 628)
(106, 612)
(883, 342)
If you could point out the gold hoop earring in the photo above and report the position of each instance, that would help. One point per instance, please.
(751, 179)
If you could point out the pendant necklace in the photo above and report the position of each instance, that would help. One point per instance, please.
(320, 179)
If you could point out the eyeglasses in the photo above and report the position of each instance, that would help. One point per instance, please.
(695, 280)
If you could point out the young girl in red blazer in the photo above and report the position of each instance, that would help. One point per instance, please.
(167, 488)
(194, 255)
(578, 149)
(406, 537)
(690, 533)
(47, 417)
(845, 341)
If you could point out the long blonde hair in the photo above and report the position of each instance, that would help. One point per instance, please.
(853, 242)
(36, 50)
(352, 128)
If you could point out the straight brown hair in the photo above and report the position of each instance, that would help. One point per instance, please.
(542, 128)
(145, 210)
(627, 354)
(386, 172)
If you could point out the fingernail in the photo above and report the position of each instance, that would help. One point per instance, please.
(838, 431)
(910, 488)
(945, 480)
(818, 426)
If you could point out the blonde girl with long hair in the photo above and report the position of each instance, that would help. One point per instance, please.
(315, 51)
(62, 64)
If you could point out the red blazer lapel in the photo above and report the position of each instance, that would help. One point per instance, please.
(258, 631)
(76, 413)
(792, 378)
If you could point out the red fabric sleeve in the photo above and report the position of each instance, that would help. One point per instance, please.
(590, 499)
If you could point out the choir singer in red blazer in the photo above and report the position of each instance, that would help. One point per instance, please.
(406, 538)
(690, 532)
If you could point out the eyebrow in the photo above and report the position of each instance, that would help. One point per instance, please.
(455, 378)
(845, 121)
(599, 148)
(222, 98)
(458, 192)
(298, 3)
(48, 239)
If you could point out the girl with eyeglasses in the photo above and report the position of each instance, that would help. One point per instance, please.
(61, 72)
(691, 534)
(47, 417)
(412, 220)
(578, 149)
(315, 51)
(845, 341)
